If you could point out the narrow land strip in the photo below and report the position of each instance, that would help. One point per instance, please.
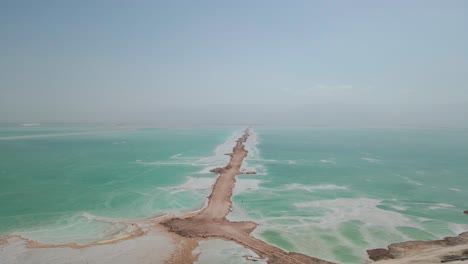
(191, 228)
(211, 222)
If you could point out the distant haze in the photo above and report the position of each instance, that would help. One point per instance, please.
(338, 63)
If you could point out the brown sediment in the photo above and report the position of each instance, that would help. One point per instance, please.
(246, 172)
(378, 254)
(183, 252)
(211, 221)
(422, 251)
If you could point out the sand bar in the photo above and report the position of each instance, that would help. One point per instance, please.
(211, 222)
(180, 235)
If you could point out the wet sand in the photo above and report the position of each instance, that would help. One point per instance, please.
(152, 247)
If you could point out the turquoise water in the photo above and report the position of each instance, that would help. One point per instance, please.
(330, 193)
(11, 130)
(58, 183)
(333, 193)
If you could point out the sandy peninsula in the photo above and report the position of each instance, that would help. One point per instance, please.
(167, 239)
(211, 221)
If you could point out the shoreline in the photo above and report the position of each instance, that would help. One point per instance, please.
(432, 251)
(188, 229)
(211, 222)
(62, 134)
(182, 231)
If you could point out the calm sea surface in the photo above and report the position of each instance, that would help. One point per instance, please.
(327, 192)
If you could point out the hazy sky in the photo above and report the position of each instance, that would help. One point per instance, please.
(309, 62)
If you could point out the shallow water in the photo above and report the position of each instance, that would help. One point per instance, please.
(60, 183)
(333, 193)
(330, 193)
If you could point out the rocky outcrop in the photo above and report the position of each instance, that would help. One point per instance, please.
(247, 172)
(462, 256)
(378, 254)
(410, 248)
(218, 170)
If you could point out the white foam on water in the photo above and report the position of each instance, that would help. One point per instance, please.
(327, 161)
(371, 160)
(108, 219)
(253, 162)
(266, 160)
(98, 218)
(313, 188)
(176, 155)
(441, 206)
(219, 157)
(458, 228)
(399, 207)
(259, 169)
(80, 228)
(251, 145)
(246, 185)
(362, 209)
(297, 227)
(455, 189)
(196, 184)
(411, 181)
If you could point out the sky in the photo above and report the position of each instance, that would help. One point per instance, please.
(338, 63)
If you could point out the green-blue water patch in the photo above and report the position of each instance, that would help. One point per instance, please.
(108, 175)
(349, 190)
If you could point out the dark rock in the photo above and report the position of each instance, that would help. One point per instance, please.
(378, 254)
(217, 170)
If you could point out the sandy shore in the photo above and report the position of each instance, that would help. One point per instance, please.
(153, 247)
